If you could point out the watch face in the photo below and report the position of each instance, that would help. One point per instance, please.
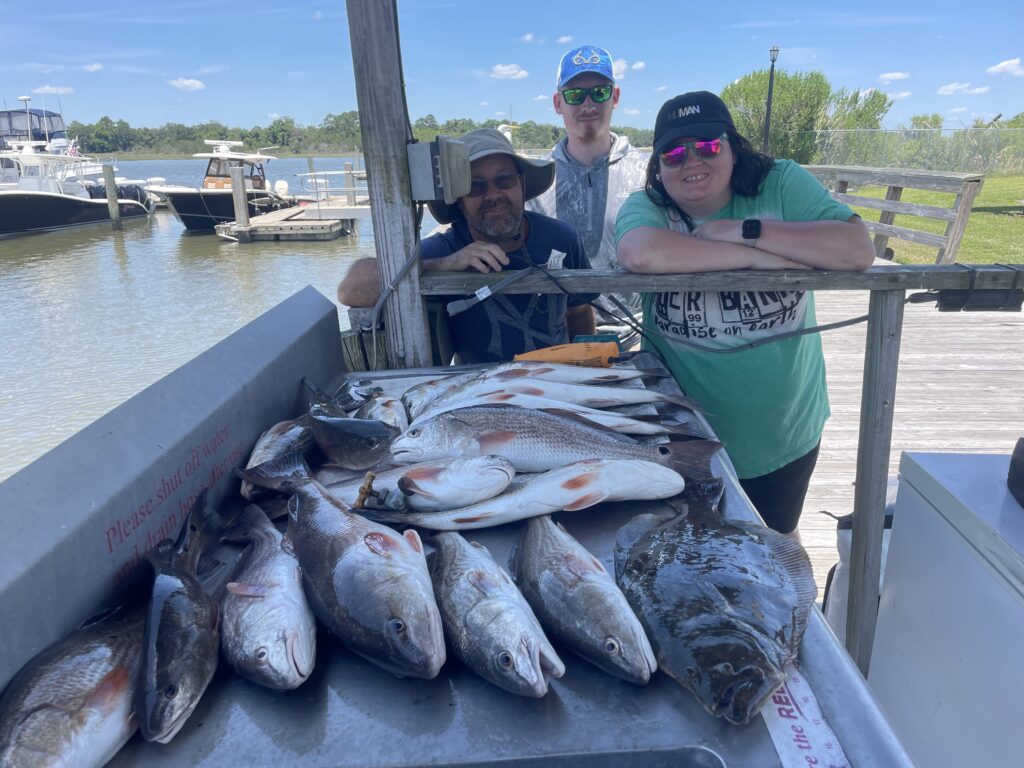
(751, 229)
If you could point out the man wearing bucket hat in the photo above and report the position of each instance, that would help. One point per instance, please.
(595, 169)
(492, 232)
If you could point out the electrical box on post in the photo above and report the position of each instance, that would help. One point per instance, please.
(439, 170)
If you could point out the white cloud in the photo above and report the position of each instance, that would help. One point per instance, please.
(273, 115)
(527, 38)
(619, 67)
(96, 67)
(1008, 67)
(187, 84)
(45, 69)
(541, 97)
(564, 39)
(638, 65)
(962, 88)
(661, 88)
(317, 15)
(958, 109)
(211, 69)
(484, 103)
(509, 72)
(899, 96)
(891, 77)
(631, 111)
(59, 90)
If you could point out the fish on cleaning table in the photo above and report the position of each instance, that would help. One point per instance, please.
(536, 441)
(487, 621)
(182, 631)
(268, 632)
(71, 705)
(366, 583)
(349, 442)
(618, 422)
(724, 602)
(432, 485)
(578, 602)
(573, 487)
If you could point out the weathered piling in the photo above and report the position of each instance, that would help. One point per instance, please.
(112, 204)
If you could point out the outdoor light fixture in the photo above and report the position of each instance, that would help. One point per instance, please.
(773, 54)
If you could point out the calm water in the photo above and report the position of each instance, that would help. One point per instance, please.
(90, 316)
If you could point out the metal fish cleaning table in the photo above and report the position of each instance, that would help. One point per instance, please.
(133, 467)
(350, 713)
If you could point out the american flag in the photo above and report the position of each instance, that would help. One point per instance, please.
(73, 150)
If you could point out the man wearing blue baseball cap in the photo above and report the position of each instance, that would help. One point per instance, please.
(595, 170)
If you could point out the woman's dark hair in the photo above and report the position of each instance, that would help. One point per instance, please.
(748, 173)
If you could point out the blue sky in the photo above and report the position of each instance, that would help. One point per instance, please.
(244, 62)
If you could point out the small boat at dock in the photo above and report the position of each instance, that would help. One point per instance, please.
(201, 208)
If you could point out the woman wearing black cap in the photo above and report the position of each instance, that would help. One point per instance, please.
(712, 202)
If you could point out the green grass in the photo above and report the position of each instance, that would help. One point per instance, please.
(995, 230)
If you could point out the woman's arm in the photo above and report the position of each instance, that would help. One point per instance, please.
(844, 245)
(664, 251)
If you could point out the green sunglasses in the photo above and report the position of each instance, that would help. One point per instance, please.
(576, 96)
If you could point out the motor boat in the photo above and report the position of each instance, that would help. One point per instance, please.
(40, 191)
(200, 209)
(21, 125)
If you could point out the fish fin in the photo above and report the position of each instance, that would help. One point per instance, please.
(581, 480)
(690, 458)
(485, 582)
(249, 590)
(524, 390)
(517, 550)
(680, 400)
(584, 569)
(408, 484)
(586, 500)
(414, 539)
(109, 691)
(380, 543)
(581, 419)
(282, 474)
(795, 561)
(491, 441)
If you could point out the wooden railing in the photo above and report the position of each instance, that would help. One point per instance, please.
(965, 186)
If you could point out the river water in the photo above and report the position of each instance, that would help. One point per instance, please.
(90, 316)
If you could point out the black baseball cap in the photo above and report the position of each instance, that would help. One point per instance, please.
(700, 114)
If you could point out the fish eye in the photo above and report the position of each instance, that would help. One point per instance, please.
(611, 645)
(372, 442)
(170, 691)
(505, 659)
(262, 654)
(397, 626)
(413, 432)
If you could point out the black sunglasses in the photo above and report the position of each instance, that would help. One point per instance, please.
(478, 187)
(576, 96)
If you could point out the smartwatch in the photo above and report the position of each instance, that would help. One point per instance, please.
(751, 231)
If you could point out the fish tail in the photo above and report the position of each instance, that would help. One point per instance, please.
(681, 400)
(282, 474)
(690, 458)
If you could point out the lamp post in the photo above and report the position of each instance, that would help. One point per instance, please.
(773, 52)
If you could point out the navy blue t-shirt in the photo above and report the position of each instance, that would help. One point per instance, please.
(506, 324)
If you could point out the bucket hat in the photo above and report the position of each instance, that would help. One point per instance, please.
(700, 114)
(484, 142)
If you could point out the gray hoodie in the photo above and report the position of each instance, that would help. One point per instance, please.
(589, 197)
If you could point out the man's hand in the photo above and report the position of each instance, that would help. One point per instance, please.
(478, 255)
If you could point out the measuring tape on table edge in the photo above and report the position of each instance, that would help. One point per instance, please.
(801, 735)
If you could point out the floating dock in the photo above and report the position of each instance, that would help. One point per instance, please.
(325, 220)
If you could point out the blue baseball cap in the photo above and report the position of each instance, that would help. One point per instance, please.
(586, 58)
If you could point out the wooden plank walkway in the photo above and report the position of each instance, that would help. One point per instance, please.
(960, 389)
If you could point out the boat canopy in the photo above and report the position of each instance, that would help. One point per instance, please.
(225, 156)
(31, 125)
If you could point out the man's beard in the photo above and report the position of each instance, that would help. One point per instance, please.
(498, 229)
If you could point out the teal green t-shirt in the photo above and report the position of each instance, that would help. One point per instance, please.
(768, 404)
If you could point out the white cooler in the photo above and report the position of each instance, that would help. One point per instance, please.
(947, 663)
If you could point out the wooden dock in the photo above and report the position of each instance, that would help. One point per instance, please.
(318, 220)
(960, 389)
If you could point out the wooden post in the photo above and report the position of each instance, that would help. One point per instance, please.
(955, 229)
(350, 184)
(376, 60)
(112, 205)
(878, 393)
(886, 217)
(239, 196)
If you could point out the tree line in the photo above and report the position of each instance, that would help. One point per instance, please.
(804, 106)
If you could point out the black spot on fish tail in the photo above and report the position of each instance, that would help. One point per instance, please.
(282, 474)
